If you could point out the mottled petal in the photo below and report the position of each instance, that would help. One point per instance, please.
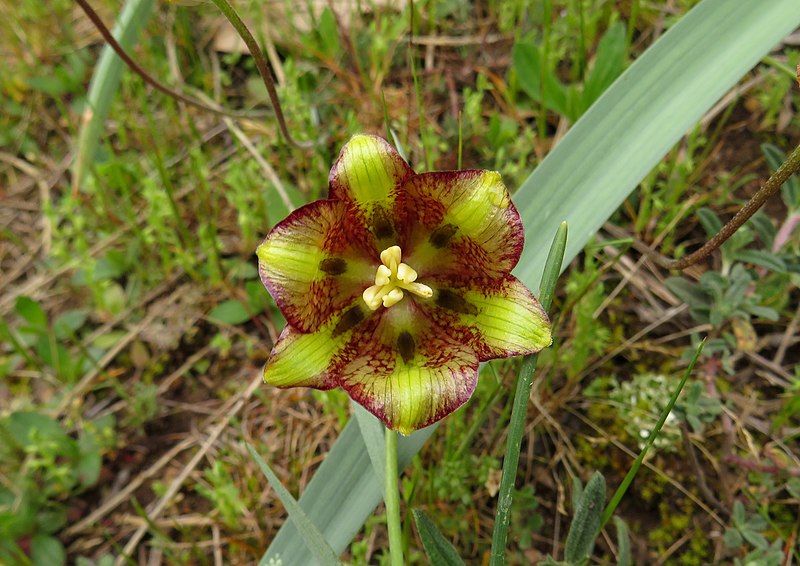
(405, 370)
(301, 359)
(314, 263)
(460, 223)
(498, 320)
(366, 175)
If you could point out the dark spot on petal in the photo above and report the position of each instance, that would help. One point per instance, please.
(381, 225)
(405, 343)
(440, 237)
(350, 318)
(333, 265)
(452, 301)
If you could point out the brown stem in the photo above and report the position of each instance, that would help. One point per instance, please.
(262, 66)
(772, 186)
(146, 77)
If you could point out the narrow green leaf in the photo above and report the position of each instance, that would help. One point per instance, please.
(586, 522)
(624, 556)
(608, 63)
(104, 85)
(519, 410)
(313, 538)
(528, 63)
(651, 438)
(553, 266)
(762, 258)
(373, 433)
(438, 549)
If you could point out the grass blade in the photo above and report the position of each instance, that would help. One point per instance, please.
(519, 411)
(626, 482)
(104, 86)
(311, 534)
(438, 549)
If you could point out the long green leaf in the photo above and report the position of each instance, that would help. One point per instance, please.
(583, 180)
(105, 83)
(313, 539)
(372, 431)
(438, 549)
(586, 522)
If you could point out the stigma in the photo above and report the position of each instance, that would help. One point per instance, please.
(391, 279)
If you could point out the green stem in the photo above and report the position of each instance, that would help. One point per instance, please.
(392, 500)
(516, 427)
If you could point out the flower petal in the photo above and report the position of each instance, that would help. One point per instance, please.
(461, 223)
(405, 370)
(500, 319)
(301, 359)
(366, 175)
(313, 263)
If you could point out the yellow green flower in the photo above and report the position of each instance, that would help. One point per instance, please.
(397, 285)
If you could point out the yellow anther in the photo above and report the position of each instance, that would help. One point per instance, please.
(419, 289)
(392, 297)
(383, 275)
(391, 257)
(405, 273)
(391, 279)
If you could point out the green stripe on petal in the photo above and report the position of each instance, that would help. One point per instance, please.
(510, 321)
(405, 370)
(367, 175)
(498, 319)
(304, 359)
(468, 225)
(310, 265)
(368, 169)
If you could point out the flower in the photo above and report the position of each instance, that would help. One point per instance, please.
(397, 285)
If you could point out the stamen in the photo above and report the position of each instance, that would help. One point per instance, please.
(405, 273)
(419, 289)
(390, 257)
(383, 275)
(391, 279)
(393, 297)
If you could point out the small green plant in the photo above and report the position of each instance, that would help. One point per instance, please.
(746, 531)
(44, 466)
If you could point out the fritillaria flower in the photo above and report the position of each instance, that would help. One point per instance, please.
(397, 285)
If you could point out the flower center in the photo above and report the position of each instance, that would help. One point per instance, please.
(391, 279)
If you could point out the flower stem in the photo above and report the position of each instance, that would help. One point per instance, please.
(392, 500)
(519, 411)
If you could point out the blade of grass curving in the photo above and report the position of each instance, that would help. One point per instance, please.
(651, 438)
(438, 549)
(313, 538)
(372, 433)
(519, 411)
(594, 168)
(104, 85)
